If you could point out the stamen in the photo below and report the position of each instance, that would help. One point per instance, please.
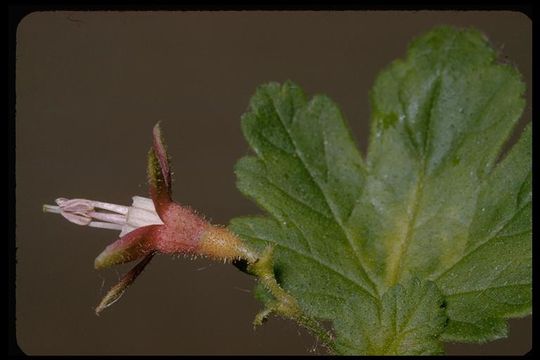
(108, 217)
(105, 225)
(120, 209)
(83, 212)
(74, 205)
(76, 218)
(51, 209)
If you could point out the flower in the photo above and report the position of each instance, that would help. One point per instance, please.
(109, 216)
(150, 226)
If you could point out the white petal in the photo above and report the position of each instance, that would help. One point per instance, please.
(143, 203)
(104, 225)
(138, 217)
(126, 229)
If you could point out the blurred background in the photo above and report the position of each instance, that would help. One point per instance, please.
(90, 86)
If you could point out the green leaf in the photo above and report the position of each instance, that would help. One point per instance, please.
(407, 319)
(411, 319)
(429, 212)
(492, 280)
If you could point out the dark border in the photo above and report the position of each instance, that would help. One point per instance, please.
(17, 12)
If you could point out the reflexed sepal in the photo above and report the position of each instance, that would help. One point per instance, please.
(159, 174)
(132, 246)
(114, 294)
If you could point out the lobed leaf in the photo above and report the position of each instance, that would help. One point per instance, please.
(428, 216)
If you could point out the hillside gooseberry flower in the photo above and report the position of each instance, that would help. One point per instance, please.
(150, 226)
(105, 215)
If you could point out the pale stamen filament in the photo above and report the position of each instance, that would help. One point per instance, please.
(84, 212)
(52, 209)
(104, 215)
(108, 217)
(119, 209)
(104, 225)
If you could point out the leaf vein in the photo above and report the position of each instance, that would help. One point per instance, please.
(450, 295)
(487, 242)
(330, 204)
(319, 262)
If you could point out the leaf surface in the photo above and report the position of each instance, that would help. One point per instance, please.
(428, 215)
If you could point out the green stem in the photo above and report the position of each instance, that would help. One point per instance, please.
(285, 304)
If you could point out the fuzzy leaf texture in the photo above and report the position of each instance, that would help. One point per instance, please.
(428, 238)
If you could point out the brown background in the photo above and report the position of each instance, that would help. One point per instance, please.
(90, 86)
